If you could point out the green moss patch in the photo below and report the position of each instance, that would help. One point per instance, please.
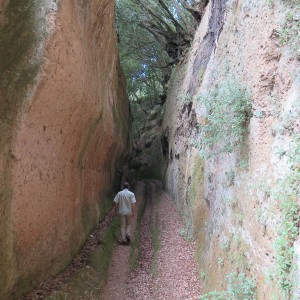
(88, 283)
(21, 31)
(135, 250)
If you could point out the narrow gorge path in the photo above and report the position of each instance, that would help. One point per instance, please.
(160, 265)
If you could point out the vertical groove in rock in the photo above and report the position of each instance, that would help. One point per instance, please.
(208, 44)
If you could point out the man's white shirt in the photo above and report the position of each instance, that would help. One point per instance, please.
(125, 198)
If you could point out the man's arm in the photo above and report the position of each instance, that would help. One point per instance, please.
(133, 209)
(133, 206)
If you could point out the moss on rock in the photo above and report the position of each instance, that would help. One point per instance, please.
(22, 28)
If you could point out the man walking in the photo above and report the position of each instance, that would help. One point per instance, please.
(125, 202)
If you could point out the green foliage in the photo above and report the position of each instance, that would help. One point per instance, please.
(242, 261)
(291, 1)
(139, 118)
(225, 243)
(142, 57)
(239, 287)
(214, 295)
(289, 32)
(262, 188)
(228, 111)
(148, 32)
(202, 275)
(221, 262)
(153, 35)
(243, 165)
(261, 216)
(287, 194)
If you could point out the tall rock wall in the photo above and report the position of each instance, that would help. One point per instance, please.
(64, 129)
(240, 202)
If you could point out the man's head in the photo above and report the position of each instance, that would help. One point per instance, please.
(126, 185)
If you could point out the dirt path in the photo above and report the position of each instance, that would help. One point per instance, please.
(159, 264)
(166, 268)
(116, 286)
(177, 271)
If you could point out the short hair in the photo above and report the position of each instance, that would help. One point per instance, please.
(126, 185)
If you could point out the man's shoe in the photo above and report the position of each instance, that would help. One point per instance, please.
(128, 239)
(124, 243)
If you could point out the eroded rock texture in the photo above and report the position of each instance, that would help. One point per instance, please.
(64, 128)
(232, 202)
(146, 136)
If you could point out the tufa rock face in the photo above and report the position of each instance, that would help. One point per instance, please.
(64, 128)
(146, 127)
(232, 201)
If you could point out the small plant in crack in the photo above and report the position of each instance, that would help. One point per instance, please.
(225, 244)
(239, 286)
(221, 262)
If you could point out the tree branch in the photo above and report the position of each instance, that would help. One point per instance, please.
(174, 21)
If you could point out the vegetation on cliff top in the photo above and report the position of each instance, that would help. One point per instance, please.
(153, 36)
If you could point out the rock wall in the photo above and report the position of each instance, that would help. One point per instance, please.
(239, 204)
(146, 135)
(64, 130)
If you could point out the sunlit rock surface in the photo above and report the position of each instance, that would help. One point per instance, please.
(64, 130)
(229, 200)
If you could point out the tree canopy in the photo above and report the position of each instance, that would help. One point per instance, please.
(153, 35)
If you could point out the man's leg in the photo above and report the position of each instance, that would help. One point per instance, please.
(128, 226)
(123, 227)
